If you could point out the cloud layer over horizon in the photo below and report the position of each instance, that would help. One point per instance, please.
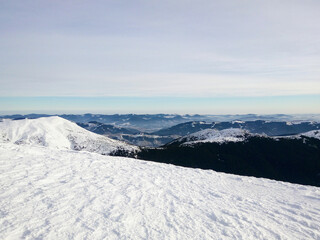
(167, 48)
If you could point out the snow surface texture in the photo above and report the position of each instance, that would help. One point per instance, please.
(46, 193)
(56, 132)
(213, 135)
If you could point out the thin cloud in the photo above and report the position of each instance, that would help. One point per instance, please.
(167, 48)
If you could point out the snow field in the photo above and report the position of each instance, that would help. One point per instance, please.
(47, 193)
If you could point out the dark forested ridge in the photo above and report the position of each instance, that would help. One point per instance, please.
(284, 159)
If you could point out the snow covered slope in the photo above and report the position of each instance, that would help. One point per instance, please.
(46, 193)
(231, 135)
(213, 135)
(312, 134)
(56, 132)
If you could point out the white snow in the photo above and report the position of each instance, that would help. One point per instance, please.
(56, 132)
(47, 193)
(213, 135)
(237, 121)
(296, 122)
(169, 116)
(312, 134)
(232, 135)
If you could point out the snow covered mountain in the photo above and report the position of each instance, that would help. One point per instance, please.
(56, 132)
(212, 135)
(155, 122)
(49, 193)
(232, 135)
(312, 134)
(270, 128)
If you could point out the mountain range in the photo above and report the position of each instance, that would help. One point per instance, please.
(166, 135)
(293, 158)
(270, 128)
(57, 182)
(154, 122)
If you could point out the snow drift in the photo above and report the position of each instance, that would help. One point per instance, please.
(56, 132)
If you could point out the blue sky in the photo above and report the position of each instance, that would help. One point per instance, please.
(181, 56)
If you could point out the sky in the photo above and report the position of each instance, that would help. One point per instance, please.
(200, 56)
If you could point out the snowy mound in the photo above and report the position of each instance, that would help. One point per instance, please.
(213, 135)
(57, 194)
(56, 132)
(312, 134)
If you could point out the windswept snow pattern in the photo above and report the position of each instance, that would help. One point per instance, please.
(48, 193)
(213, 135)
(56, 132)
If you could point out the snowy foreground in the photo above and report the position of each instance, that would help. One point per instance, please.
(63, 194)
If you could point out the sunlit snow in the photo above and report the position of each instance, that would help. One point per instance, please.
(56, 132)
(48, 193)
(213, 135)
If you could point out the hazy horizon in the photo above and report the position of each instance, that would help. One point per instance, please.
(136, 105)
